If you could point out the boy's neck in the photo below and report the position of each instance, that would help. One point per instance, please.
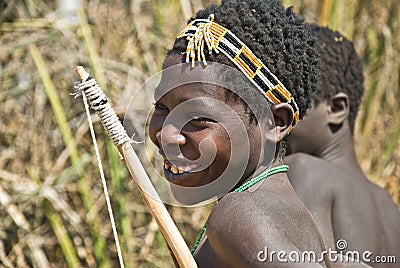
(340, 151)
(262, 168)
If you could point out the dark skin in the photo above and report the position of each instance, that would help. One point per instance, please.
(279, 220)
(326, 175)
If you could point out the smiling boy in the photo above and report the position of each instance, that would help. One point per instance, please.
(324, 168)
(214, 128)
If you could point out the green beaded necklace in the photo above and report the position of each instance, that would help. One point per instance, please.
(243, 187)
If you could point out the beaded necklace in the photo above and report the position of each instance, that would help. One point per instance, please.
(243, 187)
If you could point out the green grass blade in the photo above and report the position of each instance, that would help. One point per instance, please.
(117, 174)
(62, 236)
(91, 49)
(61, 119)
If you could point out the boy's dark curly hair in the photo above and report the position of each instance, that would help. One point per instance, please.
(279, 38)
(341, 69)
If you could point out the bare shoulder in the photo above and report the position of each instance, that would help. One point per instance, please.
(231, 231)
(388, 209)
(383, 198)
(311, 174)
(308, 167)
(243, 224)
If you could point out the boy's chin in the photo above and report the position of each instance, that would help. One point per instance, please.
(200, 195)
(191, 196)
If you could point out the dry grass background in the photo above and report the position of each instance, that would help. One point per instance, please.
(52, 205)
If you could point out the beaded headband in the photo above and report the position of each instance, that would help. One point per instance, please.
(218, 38)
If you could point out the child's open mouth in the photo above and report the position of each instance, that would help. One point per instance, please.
(178, 171)
(174, 169)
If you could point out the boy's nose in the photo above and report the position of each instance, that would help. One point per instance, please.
(169, 134)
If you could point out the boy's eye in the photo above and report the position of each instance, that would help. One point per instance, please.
(160, 106)
(204, 119)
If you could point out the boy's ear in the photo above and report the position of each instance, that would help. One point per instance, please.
(283, 116)
(339, 108)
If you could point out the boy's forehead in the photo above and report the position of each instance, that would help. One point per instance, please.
(222, 82)
(194, 81)
(191, 91)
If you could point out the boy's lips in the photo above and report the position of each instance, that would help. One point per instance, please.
(178, 166)
(180, 172)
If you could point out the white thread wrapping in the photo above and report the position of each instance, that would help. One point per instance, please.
(94, 96)
(104, 183)
(98, 102)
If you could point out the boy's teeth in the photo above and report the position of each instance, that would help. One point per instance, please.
(174, 170)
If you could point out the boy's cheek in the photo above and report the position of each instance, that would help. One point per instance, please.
(155, 126)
